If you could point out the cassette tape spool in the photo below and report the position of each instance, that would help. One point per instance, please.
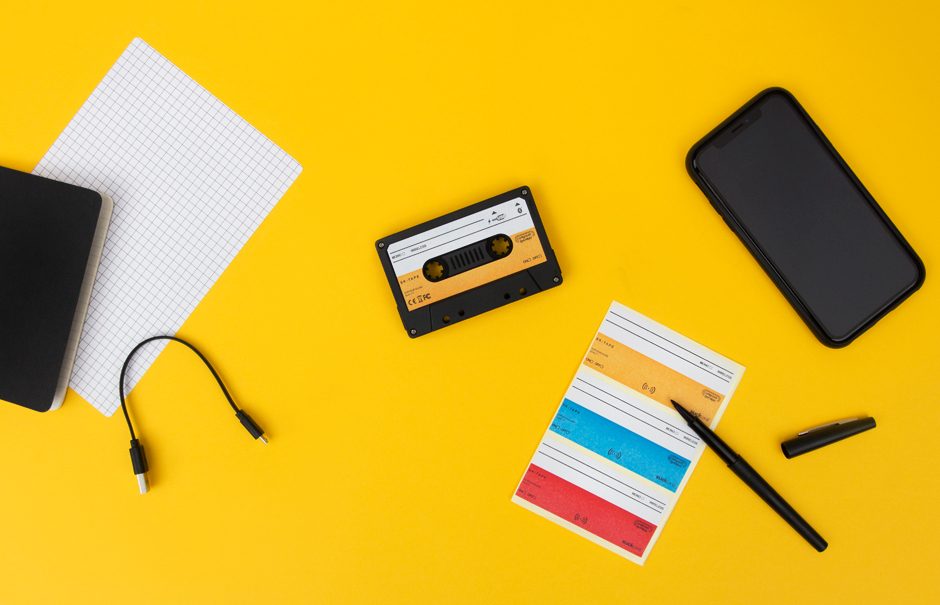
(468, 262)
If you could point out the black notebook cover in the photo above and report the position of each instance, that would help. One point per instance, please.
(47, 229)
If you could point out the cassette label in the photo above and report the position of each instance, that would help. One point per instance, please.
(636, 356)
(466, 253)
(585, 510)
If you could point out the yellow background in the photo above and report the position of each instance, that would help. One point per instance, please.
(392, 462)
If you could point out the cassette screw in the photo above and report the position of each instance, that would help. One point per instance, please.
(413, 332)
(525, 192)
(381, 244)
(555, 280)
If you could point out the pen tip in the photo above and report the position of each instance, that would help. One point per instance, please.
(682, 411)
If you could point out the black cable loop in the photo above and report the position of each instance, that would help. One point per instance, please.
(183, 342)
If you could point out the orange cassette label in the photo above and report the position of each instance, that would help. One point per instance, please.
(651, 378)
(420, 291)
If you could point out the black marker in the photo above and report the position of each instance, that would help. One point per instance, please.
(754, 481)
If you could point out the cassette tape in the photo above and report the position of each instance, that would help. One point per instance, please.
(468, 262)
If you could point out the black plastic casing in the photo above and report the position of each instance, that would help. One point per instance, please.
(138, 458)
(481, 299)
(250, 425)
(754, 247)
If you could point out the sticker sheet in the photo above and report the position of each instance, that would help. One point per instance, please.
(617, 455)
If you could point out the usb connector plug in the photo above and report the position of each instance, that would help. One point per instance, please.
(139, 460)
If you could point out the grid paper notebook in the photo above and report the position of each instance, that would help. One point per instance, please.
(191, 181)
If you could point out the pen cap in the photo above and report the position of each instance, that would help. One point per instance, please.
(813, 440)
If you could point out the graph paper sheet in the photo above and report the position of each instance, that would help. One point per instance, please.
(191, 181)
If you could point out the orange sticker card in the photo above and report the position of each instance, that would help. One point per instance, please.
(662, 365)
(652, 378)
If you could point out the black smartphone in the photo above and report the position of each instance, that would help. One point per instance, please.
(790, 197)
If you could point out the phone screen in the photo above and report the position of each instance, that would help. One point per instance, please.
(786, 190)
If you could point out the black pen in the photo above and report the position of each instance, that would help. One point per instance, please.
(754, 481)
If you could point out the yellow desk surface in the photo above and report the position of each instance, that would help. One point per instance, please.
(392, 462)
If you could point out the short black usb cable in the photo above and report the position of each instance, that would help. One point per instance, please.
(138, 459)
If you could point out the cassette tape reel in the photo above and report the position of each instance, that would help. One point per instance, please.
(468, 262)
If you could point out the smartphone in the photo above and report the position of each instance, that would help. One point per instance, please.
(785, 191)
